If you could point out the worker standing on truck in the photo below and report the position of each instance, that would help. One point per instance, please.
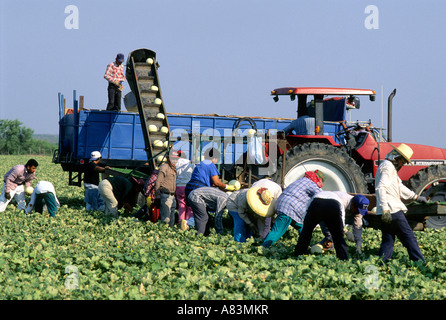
(389, 192)
(14, 183)
(93, 200)
(115, 77)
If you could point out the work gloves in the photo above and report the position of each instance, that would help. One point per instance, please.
(386, 217)
(230, 188)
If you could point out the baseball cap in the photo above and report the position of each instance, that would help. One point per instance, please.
(120, 57)
(95, 155)
(362, 203)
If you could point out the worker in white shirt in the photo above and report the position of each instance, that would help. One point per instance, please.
(389, 192)
(43, 193)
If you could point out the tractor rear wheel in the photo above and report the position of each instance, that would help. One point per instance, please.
(431, 183)
(341, 172)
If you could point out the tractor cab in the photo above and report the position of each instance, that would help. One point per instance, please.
(327, 113)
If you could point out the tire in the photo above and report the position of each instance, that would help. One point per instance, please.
(431, 183)
(340, 170)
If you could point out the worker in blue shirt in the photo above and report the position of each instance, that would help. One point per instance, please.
(303, 125)
(205, 174)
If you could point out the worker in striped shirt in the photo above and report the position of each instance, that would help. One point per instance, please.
(205, 199)
(115, 77)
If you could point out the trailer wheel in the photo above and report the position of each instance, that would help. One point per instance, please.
(341, 172)
(431, 183)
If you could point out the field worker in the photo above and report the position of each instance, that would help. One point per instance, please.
(114, 74)
(165, 187)
(15, 181)
(118, 192)
(252, 209)
(149, 211)
(389, 191)
(206, 199)
(205, 174)
(184, 169)
(304, 125)
(332, 208)
(43, 193)
(292, 203)
(93, 200)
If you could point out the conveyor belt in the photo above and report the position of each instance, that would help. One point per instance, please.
(142, 76)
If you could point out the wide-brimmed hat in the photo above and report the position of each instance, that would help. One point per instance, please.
(261, 201)
(405, 151)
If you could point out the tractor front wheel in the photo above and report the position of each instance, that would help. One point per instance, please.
(341, 172)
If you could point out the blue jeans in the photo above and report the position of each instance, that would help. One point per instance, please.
(93, 200)
(241, 230)
(167, 208)
(399, 227)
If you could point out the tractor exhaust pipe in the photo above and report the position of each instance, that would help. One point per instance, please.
(389, 115)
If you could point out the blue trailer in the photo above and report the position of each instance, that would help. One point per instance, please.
(120, 139)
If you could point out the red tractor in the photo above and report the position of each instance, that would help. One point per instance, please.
(349, 153)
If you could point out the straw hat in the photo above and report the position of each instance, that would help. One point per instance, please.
(261, 201)
(405, 151)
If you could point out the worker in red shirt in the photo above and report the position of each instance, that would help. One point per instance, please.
(115, 77)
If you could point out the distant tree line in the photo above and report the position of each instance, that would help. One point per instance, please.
(16, 139)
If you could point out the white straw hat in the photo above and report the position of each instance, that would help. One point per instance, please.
(405, 151)
(261, 201)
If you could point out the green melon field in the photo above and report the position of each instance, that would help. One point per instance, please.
(125, 259)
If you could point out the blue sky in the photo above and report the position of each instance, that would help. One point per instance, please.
(226, 56)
